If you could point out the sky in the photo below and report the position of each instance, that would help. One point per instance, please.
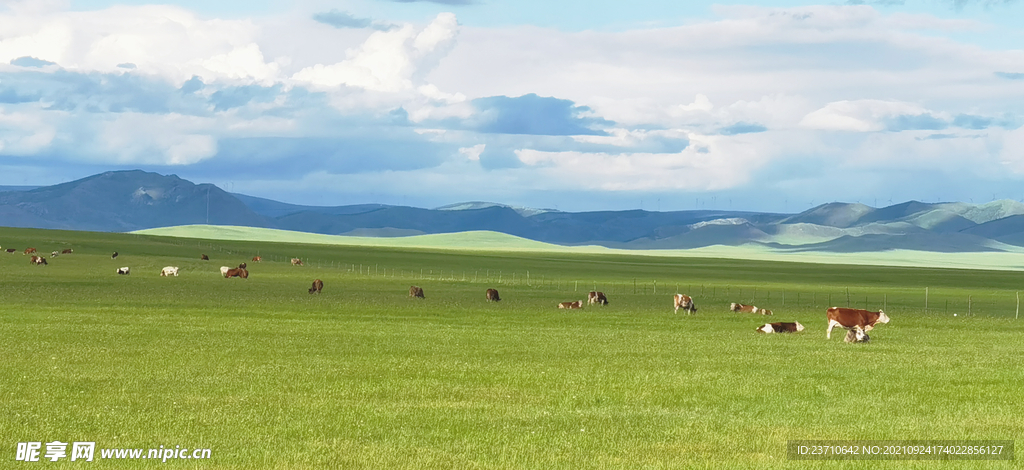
(572, 105)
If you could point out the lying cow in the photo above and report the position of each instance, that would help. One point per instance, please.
(856, 335)
(169, 271)
(54, 254)
(124, 271)
(781, 327)
(204, 257)
(684, 302)
(416, 292)
(29, 251)
(38, 260)
(570, 305)
(296, 262)
(318, 286)
(113, 256)
(748, 309)
(237, 272)
(492, 295)
(67, 251)
(257, 259)
(853, 317)
(11, 250)
(597, 298)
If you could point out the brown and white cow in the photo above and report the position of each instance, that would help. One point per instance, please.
(124, 270)
(416, 292)
(37, 260)
(853, 317)
(169, 271)
(204, 257)
(856, 335)
(492, 295)
(570, 305)
(11, 250)
(67, 251)
(781, 327)
(318, 286)
(29, 251)
(54, 254)
(597, 298)
(748, 309)
(224, 270)
(237, 272)
(685, 302)
(296, 262)
(257, 259)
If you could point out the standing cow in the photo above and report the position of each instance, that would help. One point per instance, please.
(38, 260)
(492, 295)
(237, 272)
(597, 298)
(853, 317)
(224, 270)
(29, 251)
(296, 262)
(416, 292)
(685, 302)
(169, 271)
(113, 256)
(318, 286)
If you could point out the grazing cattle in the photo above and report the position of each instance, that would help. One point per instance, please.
(67, 251)
(224, 270)
(204, 257)
(296, 262)
(684, 302)
(237, 272)
(576, 304)
(416, 292)
(853, 317)
(54, 254)
(11, 250)
(113, 256)
(597, 298)
(856, 335)
(257, 259)
(318, 286)
(781, 327)
(169, 271)
(748, 309)
(125, 270)
(37, 260)
(29, 251)
(492, 295)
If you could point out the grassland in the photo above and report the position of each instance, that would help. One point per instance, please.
(268, 376)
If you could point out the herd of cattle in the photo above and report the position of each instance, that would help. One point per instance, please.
(857, 322)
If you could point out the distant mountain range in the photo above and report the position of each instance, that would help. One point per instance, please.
(132, 200)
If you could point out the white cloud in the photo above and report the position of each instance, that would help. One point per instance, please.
(389, 61)
(859, 115)
(473, 153)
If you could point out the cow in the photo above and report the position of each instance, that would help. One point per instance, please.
(204, 257)
(318, 286)
(416, 292)
(243, 265)
(113, 256)
(224, 270)
(576, 304)
(169, 271)
(856, 335)
(125, 270)
(11, 250)
(781, 327)
(37, 260)
(492, 295)
(237, 272)
(748, 309)
(257, 259)
(296, 262)
(29, 251)
(684, 302)
(597, 298)
(67, 251)
(852, 317)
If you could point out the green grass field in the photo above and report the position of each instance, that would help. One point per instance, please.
(267, 376)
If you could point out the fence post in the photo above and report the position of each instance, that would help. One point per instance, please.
(968, 305)
(884, 306)
(847, 297)
(576, 286)
(655, 287)
(1018, 306)
(634, 285)
(925, 300)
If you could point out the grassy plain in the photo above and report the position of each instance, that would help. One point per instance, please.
(361, 376)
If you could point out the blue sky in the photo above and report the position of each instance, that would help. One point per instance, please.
(573, 105)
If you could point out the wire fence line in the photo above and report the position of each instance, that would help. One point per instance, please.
(939, 301)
